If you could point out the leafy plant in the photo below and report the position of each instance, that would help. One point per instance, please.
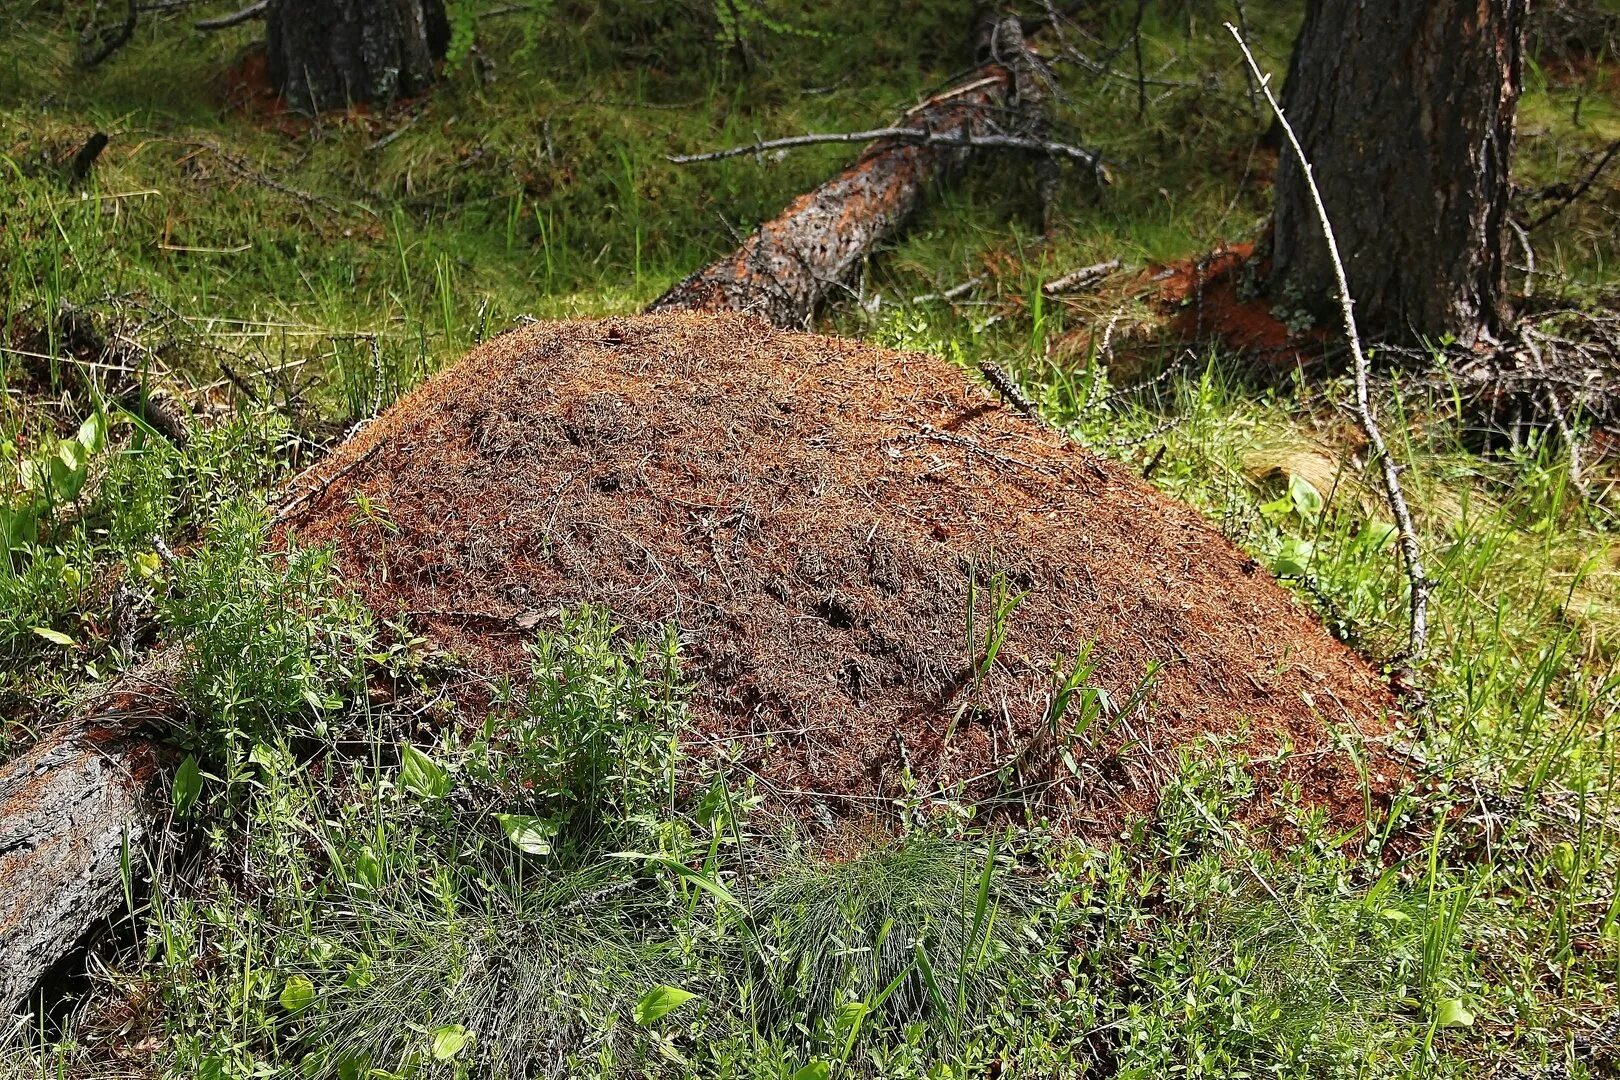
(592, 744)
(267, 644)
(39, 486)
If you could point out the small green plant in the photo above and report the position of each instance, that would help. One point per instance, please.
(592, 744)
(267, 643)
(39, 486)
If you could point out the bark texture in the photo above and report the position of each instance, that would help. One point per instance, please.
(330, 54)
(1406, 112)
(67, 807)
(796, 260)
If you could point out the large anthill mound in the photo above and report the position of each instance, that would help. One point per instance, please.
(810, 513)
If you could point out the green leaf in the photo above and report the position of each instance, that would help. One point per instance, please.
(686, 873)
(448, 1041)
(529, 834)
(55, 637)
(368, 869)
(659, 1002)
(1380, 534)
(423, 775)
(1306, 499)
(1453, 1013)
(297, 994)
(68, 471)
(816, 1070)
(93, 432)
(850, 1013)
(1294, 558)
(187, 786)
(19, 526)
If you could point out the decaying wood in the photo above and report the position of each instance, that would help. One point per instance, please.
(69, 809)
(788, 268)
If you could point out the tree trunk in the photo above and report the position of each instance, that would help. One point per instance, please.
(68, 807)
(809, 251)
(331, 54)
(1406, 113)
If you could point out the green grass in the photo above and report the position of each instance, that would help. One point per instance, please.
(350, 887)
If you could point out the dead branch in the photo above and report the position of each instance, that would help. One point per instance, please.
(253, 11)
(131, 383)
(71, 809)
(1565, 196)
(104, 42)
(793, 263)
(955, 292)
(910, 135)
(85, 159)
(1010, 390)
(1417, 641)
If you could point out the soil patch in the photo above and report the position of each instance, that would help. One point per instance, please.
(814, 514)
(1207, 300)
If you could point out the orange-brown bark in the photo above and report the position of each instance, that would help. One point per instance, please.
(795, 261)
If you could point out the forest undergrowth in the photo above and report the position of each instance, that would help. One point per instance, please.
(347, 887)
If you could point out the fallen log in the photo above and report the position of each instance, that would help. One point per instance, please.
(787, 269)
(70, 808)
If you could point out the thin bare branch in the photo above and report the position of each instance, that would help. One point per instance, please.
(1082, 278)
(236, 18)
(913, 136)
(1418, 639)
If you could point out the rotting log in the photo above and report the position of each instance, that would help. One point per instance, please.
(794, 262)
(69, 809)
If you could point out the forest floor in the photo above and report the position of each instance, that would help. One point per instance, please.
(390, 857)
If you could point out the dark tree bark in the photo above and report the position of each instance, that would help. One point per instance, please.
(68, 807)
(330, 54)
(1406, 112)
(809, 251)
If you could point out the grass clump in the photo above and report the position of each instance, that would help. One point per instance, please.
(901, 927)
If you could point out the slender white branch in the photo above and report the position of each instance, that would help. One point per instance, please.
(1418, 640)
(236, 18)
(915, 136)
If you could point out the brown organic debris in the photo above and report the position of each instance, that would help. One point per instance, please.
(809, 513)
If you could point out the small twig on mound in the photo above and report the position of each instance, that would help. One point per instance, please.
(1418, 639)
(1083, 278)
(1011, 391)
(911, 136)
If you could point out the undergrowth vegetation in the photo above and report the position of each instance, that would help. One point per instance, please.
(350, 887)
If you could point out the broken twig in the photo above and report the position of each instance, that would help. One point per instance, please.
(1082, 278)
(235, 18)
